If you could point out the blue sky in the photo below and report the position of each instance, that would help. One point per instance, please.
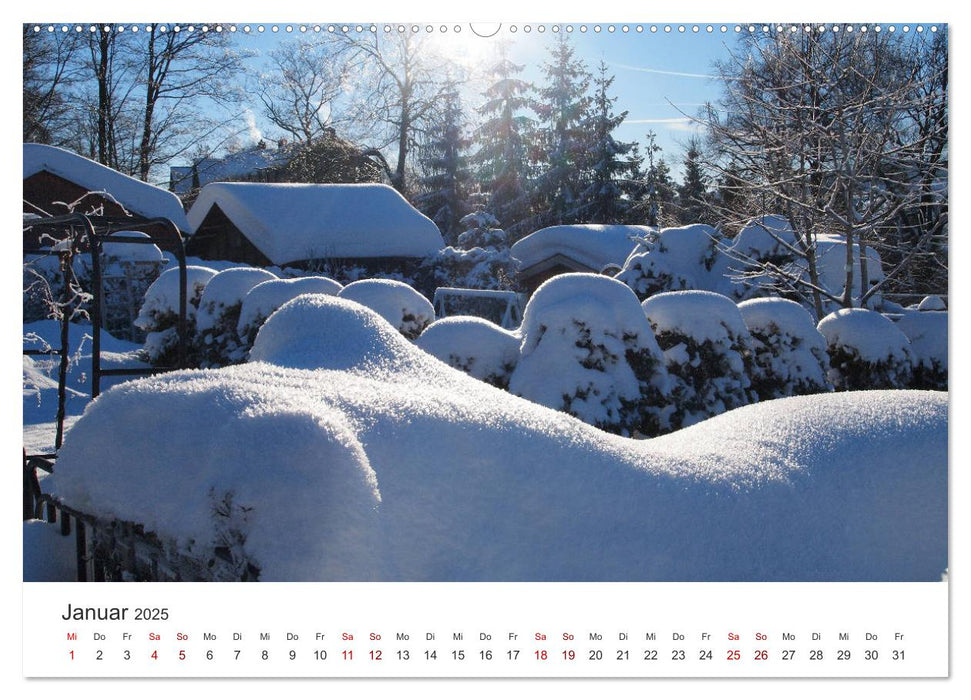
(659, 77)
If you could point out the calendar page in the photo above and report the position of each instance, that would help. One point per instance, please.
(512, 350)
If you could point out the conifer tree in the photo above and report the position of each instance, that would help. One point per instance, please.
(693, 196)
(447, 179)
(563, 143)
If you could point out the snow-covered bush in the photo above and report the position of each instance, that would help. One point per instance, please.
(217, 341)
(159, 314)
(927, 332)
(481, 259)
(400, 305)
(708, 352)
(474, 345)
(266, 297)
(789, 353)
(866, 351)
(588, 350)
(932, 303)
(686, 257)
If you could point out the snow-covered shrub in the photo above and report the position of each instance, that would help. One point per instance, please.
(866, 351)
(266, 297)
(765, 239)
(588, 350)
(218, 314)
(932, 303)
(686, 257)
(399, 304)
(789, 353)
(708, 352)
(474, 345)
(159, 314)
(927, 332)
(481, 259)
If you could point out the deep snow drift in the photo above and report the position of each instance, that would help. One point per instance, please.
(363, 457)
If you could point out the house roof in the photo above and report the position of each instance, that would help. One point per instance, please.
(134, 195)
(234, 165)
(293, 222)
(591, 245)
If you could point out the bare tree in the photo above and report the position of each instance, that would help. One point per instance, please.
(819, 126)
(399, 84)
(308, 76)
(49, 73)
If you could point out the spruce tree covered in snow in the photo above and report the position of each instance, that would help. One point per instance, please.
(217, 341)
(789, 353)
(588, 350)
(159, 314)
(563, 143)
(481, 258)
(708, 351)
(693, 196)
(446, 184)
(501, 159)
(614, 164)
(866, 351)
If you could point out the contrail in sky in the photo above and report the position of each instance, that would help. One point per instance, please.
(643, 69)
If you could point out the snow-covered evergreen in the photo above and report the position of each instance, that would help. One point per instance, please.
(681, 258)
(481, 258)
(398, 303)
(475, 346)
(266, 297)
(588, 350)
(159, 314)
(789, 353)
(217, 342)
(708, 352)
(866, 351)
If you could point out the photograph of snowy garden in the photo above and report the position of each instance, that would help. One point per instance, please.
(406, 303)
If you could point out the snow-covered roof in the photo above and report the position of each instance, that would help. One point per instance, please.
(591, 245)
(293, 222)
(234, 165)
(134, 195)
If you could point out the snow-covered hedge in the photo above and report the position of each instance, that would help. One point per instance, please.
(588, 350)
(159, 314)
(708, 352)
(474, 345)
(266, 297)
(686, 257)
(398, 303)
(866, 351)
(789, 353)
(927, 333)
(218, 314)
(367, 459)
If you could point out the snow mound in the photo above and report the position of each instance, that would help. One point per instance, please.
(162, 297)
(473, 345)
(132, 252)
(872, 335)
(927, 333)
(401, 468)
(48, 556)
(266, 297)
(295, 222)
(591, 245)
(321, 331)
(398, 303)
(225, 290)
(699, 315)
